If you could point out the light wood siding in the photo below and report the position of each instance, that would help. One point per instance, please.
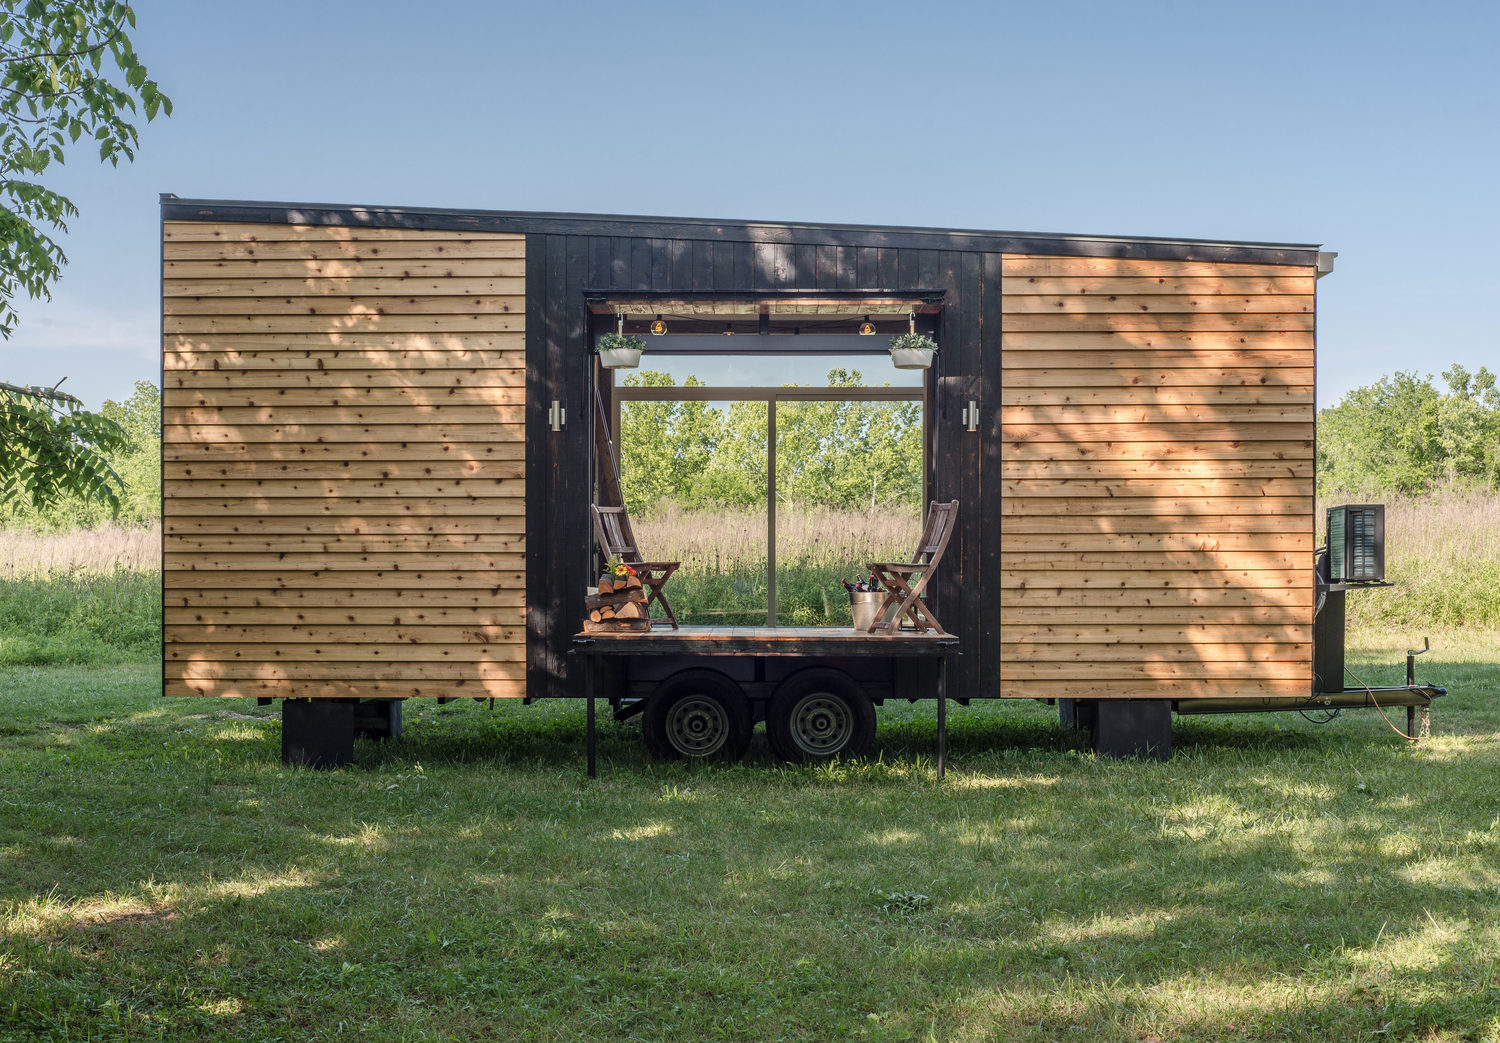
(343, 455)
(1157, 460)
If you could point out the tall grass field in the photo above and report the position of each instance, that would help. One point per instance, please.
(1442, 554)
(1443, 557)
(724, 557)
(90, 596)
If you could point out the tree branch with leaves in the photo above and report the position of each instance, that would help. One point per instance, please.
(68, 71)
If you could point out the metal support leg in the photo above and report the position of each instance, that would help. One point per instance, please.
(1411, 722)
(588, 688)
(942, 758)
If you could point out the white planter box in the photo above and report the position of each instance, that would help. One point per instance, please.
(620, 358)
(912, 358)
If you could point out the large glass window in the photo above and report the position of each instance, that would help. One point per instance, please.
(770, 493)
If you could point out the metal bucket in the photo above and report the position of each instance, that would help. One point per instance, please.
(864, 605)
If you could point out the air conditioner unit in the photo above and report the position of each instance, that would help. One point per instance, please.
(1356, 543)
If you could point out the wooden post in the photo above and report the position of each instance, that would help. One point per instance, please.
(942, 715)
(588, 689)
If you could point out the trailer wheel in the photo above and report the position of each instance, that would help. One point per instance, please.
(820, 714)
(698, 714)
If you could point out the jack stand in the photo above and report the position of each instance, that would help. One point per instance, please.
(1425, 731)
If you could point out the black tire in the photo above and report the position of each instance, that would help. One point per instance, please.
(697, 715)
(818, 715)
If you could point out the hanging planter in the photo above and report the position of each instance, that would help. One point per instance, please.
(912, 351)
(617, 351)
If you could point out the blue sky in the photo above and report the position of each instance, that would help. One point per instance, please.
(1371, 128)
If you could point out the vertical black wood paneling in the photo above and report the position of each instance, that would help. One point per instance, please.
(948, 483)
(763, 265)
(619, 266)
(539, 467)
(573, 527)
(828, 268)
(783, 260)
(723, 255)
(600, 260)
(544, 612)
(558, 489)
(960, 467)
(661, 263)
(804, 267)
(991, 474)
(640, 264)
(848, 272)
(744, 266)
(681, 251)
(928, 264)
(703, 265)
(974, 661)
(908, 275)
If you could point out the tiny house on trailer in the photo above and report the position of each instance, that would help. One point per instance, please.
(383, 430)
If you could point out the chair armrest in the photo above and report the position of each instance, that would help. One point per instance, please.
(907, 566)
(654, 564)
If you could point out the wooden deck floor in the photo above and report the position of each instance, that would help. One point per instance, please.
(761, 640)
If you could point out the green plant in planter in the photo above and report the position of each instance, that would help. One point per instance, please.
(912, 351)
(913, 342)
(618, 342)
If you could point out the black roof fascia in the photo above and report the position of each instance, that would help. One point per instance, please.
(793, 233)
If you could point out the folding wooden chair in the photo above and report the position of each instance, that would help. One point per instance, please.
(612, 527)
(897, 576)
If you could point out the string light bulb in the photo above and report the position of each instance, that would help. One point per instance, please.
(867, 328)
(658, 327)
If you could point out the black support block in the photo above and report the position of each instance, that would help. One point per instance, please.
(1133, 728)
(1077, 713)
(317, 733)
(1328, 645)
(378, 719)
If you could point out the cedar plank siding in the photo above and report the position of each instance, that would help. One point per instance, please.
(343, 422)
(1157, 462)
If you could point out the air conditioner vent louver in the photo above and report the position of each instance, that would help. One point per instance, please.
(1356, 543)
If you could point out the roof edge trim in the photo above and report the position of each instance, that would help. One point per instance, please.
(792, 232)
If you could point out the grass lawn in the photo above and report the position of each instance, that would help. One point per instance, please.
(163, 876)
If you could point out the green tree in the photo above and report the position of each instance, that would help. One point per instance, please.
(829, 454)
(135, 457)
(67, 71)
(1468, 420)
(138, 463)
(736, 475)
(1402, 434)
(665, 447)
(847, 455)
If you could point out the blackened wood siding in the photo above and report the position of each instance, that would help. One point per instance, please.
(344, 456)
(560, 367)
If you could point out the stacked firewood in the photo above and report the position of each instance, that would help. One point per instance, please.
(617, 604)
